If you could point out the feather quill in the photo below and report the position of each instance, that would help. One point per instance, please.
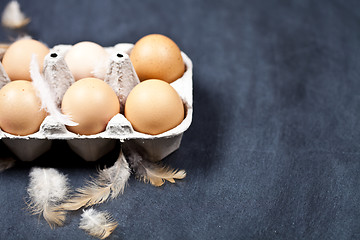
(97, 224)
(47, 188)
(148, 171)
(109, 183)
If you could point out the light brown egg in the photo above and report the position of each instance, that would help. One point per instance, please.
(86, 59)
(91, 103)
(153, 107)
(20, 112)
(156, 56)
(17, 58)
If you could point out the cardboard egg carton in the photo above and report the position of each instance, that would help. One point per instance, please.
(121, 76)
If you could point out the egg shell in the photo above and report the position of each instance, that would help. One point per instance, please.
(20, 108)
(17, 58)
(91, 103)
(92, 147)
(153, 107)
(156, 56)
(86, 59)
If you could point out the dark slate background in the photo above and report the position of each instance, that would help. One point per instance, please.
(273, 150)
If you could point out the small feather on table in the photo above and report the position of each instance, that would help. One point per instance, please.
(47, 188)
(148, 171)
(109, 183)
(96, 223)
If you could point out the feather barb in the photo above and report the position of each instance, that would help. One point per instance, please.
(149, 171)
(47, 188)
(157, 175)
(109, 183)
(96, 223)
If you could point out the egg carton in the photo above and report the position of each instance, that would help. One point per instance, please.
(120, 75)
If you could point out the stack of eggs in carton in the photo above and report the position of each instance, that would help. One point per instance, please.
(92, 97)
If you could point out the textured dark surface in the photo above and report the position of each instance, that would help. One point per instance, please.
(273, 150)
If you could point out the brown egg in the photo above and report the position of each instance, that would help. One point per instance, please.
(17, 58)
(156, 56)
(86, 59)
(20, 112)
(153, 107)
(91, 103)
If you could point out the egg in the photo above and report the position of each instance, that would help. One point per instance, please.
(153, 107)
(91, 103)
(20, 108)
(86, 59)
(17, 58)
(156, 56)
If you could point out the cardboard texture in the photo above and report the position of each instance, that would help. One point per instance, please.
(122, 78)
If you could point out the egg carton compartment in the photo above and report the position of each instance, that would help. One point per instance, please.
(91, 147)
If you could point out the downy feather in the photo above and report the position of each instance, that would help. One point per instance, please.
(148, 171)
(96, 223)
(12, 17)
(157, 174)
(109, 183)
(47, 188)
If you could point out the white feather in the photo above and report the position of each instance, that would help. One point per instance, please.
(46, 189)
(46, 95)
(12, 16)
(117, 176)
(101, 68)
(97, 224)
(109, 184)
